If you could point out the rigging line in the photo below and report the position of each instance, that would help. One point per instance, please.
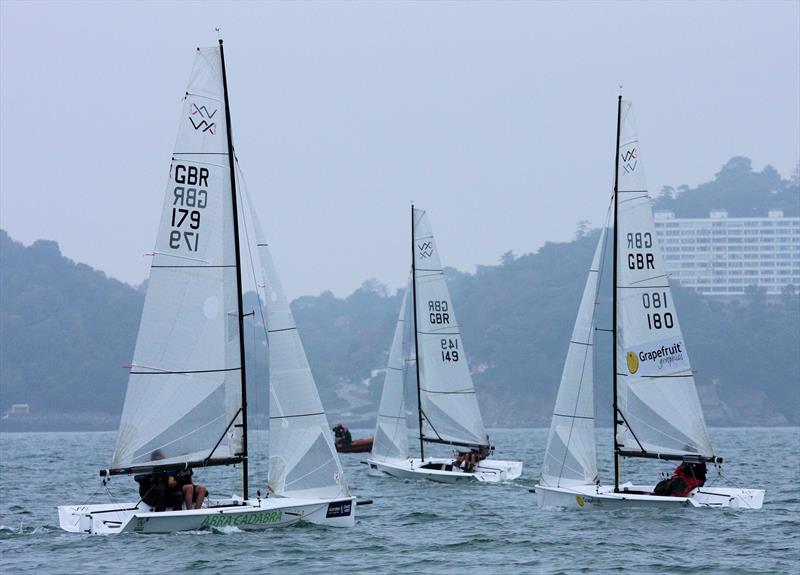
(631, 199)
(628, 425)
(201, 163)
(573, 416)
(197, 95)
(439, 332)
(158, 253)
(187, 434)
(222, 436)
(581, 342)
(163, 372)
(296, 415)
(199, 154)
(246, 190)
(651, 278)
(193, 267)
(248, 242)
(448, 392)
(281, 329)
(685, 440)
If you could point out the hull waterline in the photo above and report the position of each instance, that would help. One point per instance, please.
(442, 471)
(108, 519)
(591, 497)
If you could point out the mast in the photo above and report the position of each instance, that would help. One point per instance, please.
(239, 308)
(614, 297)
(416, 343)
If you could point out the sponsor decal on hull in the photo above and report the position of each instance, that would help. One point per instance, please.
(339, 509)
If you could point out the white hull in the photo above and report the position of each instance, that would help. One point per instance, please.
(251, 514)
(603, 497)
(487, 471)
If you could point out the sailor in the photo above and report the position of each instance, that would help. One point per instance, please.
(343, 436)
(686, 477)
(471, 458)
(193, 495)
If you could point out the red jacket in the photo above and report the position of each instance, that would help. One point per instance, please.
(691, 482)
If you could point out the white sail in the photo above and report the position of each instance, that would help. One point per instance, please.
(449, 406)
(656, 391)
(183, 398)
(302, 457)
(391, 434)
(571, 457)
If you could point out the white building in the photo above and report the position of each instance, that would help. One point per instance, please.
(721, 256)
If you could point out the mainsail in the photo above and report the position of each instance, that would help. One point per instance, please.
(302, 457)
(183, 402)
(449, 407)
(656, 394)
(391, 435)
(571, 457)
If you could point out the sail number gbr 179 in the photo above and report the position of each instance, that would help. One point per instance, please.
(189, 198)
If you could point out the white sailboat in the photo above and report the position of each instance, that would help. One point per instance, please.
(428, 338)
(185, 405)
(657, 412)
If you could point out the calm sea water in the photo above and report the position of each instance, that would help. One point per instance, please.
(413, 527)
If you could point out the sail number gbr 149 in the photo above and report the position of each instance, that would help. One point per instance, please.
(189, 198)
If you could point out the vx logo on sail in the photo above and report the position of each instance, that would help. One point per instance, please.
(629, 160)
(425, 250)
(202, 115)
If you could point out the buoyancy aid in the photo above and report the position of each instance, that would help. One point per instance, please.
(690, 481)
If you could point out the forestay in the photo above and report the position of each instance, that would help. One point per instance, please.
(302, 457)
(184, 390)
(391, 434)
(656, 391)
(449, 406)
(571, 457)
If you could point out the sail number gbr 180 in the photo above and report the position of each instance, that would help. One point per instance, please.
(655, 305)
(189, 198)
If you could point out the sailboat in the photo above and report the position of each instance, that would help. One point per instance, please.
(186, 405)
(427, 344)
(656, 409)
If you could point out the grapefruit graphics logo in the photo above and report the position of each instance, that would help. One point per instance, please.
(633, 362)
(201, 119)
(580, 501)
(425, 250)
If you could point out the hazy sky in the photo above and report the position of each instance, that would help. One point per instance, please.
(498, 118)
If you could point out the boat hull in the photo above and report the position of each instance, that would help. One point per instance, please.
(107, 519)
(487, 471)
(358, 446)
(590, 497)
